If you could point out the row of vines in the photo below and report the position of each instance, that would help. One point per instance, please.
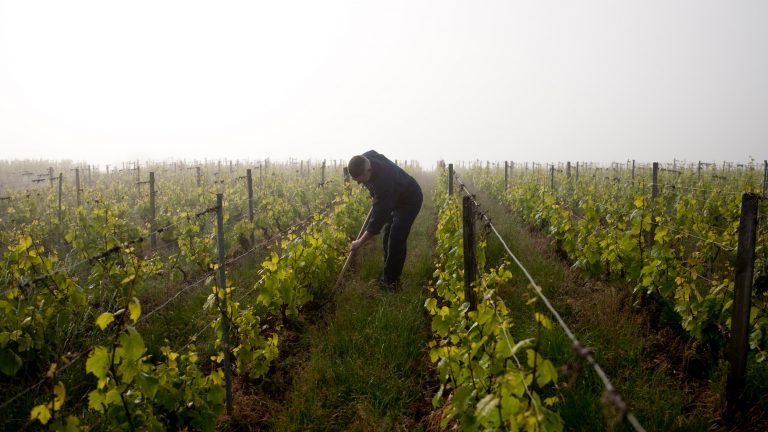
(674, 241)
(77, 297)
(489, 381)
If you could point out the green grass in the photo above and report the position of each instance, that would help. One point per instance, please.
(365, 367)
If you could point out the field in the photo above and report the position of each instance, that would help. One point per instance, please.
(208, 296)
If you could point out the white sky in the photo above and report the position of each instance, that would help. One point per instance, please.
(518, 80)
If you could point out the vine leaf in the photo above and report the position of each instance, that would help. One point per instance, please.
(104, 320)
(98, 362)
(134, 307)
(40, 413)
(10, 363)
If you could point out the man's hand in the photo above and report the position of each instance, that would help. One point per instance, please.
(357, 244)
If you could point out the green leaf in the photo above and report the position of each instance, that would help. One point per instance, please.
(104, 320)
(132, 345)
(96, 400)
(431, 305)
(134, 307)
(148, 385)
(59, 396)
(486, 406)
(40, 413)
(10, 363)
(543, 320)
(98, 362)
(24, 244)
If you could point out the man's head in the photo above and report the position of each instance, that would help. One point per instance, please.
(360, 169)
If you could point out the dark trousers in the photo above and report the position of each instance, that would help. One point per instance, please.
(396, 237)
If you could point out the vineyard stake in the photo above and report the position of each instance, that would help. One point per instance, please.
(568, 169)
(470, 261)
(577, 171)
(450, 179)
(50, 175)
(223, 309)
(249, 185)
(77, 184)
(322, 174)
(152, 213)
(345, 173)
(765, 176)
(654, 194)
(633, 169)
(552, 177)
(506, 175)
(738, 346)
(197, 171)
(61, 225)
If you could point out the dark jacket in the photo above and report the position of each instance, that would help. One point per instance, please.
(391, 188)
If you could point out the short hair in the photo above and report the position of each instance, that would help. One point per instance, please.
(358, 165)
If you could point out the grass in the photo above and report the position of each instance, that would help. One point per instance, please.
(365, 367)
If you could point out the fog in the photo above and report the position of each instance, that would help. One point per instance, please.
(596, 81)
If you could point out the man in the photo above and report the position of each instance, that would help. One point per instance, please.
(396, 202)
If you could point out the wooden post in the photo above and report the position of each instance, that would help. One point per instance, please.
(197, 171)
(470, 262)
(50, 175)
(60, 215)
(249, 184)
(450, 179)
(322, 174)
(552, 177)
(152, 213)
(506, 175)
(765, 176)
(577, 171)
(633, 169)
(138, 178)
(223, 299)
(346, 174)
(654, 194)
(568, 169)
(742, 301)
(77, 185)
(698, 171)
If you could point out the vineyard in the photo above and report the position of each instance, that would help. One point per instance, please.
(223, 296)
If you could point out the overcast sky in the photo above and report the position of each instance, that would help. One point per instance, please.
(517, 80)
